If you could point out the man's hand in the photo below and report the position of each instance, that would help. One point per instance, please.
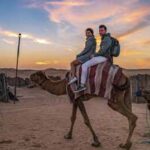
(91, 56)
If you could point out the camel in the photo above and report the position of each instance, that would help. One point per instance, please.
(122, 104)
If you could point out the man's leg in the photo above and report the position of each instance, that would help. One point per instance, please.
(91, 62)
(85, 66)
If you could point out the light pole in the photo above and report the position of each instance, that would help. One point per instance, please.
(18, 51)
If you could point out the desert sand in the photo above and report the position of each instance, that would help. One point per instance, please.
(40, 120)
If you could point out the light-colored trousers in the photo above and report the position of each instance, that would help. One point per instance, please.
(93, 61)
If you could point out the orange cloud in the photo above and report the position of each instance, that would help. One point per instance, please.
(131, 53)
(146, 42)
(133, 63)
(42, 63)
(67, 3)
(69, 11)
(47, 62)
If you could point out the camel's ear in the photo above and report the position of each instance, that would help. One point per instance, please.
(45, 75)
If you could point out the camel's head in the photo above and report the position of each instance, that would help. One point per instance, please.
(38, 77)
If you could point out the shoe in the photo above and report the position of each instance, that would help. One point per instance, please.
(72, 80)
(80, 88)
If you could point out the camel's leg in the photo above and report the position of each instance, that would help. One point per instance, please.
(132, 118)
(127, 112)
(73, 118)
(81, 106)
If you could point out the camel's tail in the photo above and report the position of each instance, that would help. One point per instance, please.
(146, 95)
(127, 97)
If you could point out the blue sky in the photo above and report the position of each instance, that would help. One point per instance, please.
(53, 30)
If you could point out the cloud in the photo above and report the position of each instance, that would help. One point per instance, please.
(47, 62)
(42, 63)
(8, 41)
(132, 53)
(42, 41)
(8, 33)
(146, 42)
(68, 3)
(12, 34)
(133, 21)
(127, 16)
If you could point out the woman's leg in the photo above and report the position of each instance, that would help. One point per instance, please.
(91, 62)
(73, 66)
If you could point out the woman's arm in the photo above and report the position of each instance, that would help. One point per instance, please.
(87, 48)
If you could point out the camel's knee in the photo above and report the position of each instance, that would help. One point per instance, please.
(133, 120)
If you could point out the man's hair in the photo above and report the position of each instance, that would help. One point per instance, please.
(91, 30)
(103, 26)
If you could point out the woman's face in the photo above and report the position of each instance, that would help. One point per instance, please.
(88, 33)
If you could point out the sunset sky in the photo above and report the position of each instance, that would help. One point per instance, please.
(53, 31)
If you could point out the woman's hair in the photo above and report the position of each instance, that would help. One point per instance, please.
(91, 30)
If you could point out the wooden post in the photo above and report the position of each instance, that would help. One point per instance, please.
(18, 51)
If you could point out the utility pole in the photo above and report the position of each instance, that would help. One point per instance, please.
(18, 51)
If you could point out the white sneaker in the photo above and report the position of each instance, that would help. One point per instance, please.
(72, 80)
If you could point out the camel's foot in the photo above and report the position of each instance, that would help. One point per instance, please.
(96, 143)
(68, 136)
(126, 146)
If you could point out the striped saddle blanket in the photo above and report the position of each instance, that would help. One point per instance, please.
(99, 82)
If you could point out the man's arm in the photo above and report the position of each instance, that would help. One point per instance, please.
(106, 44)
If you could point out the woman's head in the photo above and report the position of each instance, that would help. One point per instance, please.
(89, 32)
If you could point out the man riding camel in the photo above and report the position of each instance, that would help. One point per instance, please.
(101, 56)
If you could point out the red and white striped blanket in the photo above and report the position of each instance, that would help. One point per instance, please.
(99, 82)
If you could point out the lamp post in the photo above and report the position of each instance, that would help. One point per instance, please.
(18, 51)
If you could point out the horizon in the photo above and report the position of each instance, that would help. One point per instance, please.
(66, 69)
(53, 31)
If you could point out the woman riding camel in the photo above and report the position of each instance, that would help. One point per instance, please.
(87, 53)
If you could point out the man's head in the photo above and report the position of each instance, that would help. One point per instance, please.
(102, 30)
(89, 32)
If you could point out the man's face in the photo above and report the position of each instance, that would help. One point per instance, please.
(102, 31)
(88, 33)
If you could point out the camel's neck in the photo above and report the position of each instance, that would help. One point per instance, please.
(59, 82)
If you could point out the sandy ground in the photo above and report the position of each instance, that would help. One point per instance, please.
(40, 120)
